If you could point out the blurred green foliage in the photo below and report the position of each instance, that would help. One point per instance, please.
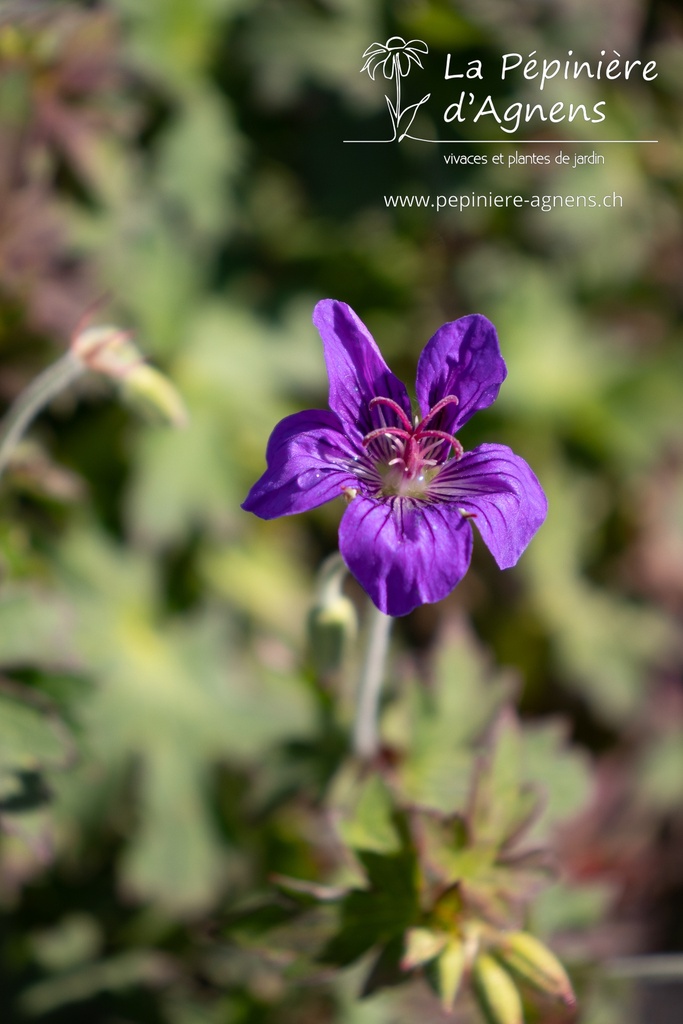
(166, 749)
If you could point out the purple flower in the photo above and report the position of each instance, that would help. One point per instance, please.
(406, 534)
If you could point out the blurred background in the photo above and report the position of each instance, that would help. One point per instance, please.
(178, 166)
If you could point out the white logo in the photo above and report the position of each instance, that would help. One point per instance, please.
(395, 58)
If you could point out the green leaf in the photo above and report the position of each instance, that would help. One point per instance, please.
(386, 972)
(603, 643)
(368, 818)
(126, 970)
(559, 773)
(173, 700)
(384, 911)
(438, 728)
(29, 739)
(35, 628)
(496, 799)
(197, 154)
(661, 772)
(76, 939)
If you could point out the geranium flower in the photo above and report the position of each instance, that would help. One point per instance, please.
(394, 57)
(406, 534)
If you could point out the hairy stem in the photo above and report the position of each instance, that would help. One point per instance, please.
(365, 734)
(35, 397)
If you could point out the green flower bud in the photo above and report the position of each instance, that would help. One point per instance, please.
(329, 631)
(153, 394)
(451, 966)
(533, 962)
(496, 992)
(332, 622)
(422, 945)
(110, 351)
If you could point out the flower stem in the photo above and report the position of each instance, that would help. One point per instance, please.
(397, 69)
(35, 397)
(365, 734)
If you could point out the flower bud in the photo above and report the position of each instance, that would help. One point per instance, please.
(107, 350)
(153, 394)
(110, 351)
(533, 962)
(496, 992)
(332, 622)
(451, 965)
(422, 945)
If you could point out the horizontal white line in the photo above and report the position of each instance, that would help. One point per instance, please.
(552, 142)
(516, 142)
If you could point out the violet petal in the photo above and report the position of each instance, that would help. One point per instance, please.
(462, 359)
(307, 457)
(405, 553)
(500, 488)
(355, 367)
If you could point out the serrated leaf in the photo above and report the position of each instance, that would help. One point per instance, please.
(173, 700)
(379, 914)
(369, 825)
(438, 728)
(386, 972)
(556, 770)
(496, 797)
(35, 628)
(30, 740)
(198, 152)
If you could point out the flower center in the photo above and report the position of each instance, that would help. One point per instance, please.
(408, 456)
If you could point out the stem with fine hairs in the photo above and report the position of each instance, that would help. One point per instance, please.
(39, 393)
(365, 732)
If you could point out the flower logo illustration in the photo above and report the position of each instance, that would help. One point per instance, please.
(395, 58)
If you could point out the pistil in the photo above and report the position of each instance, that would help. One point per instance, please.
(414, 444)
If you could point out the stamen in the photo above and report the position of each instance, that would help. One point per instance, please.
(385, 432)
(443, 436)
(396, 408)
(400, 454)
(429, 447)
(448, 400)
